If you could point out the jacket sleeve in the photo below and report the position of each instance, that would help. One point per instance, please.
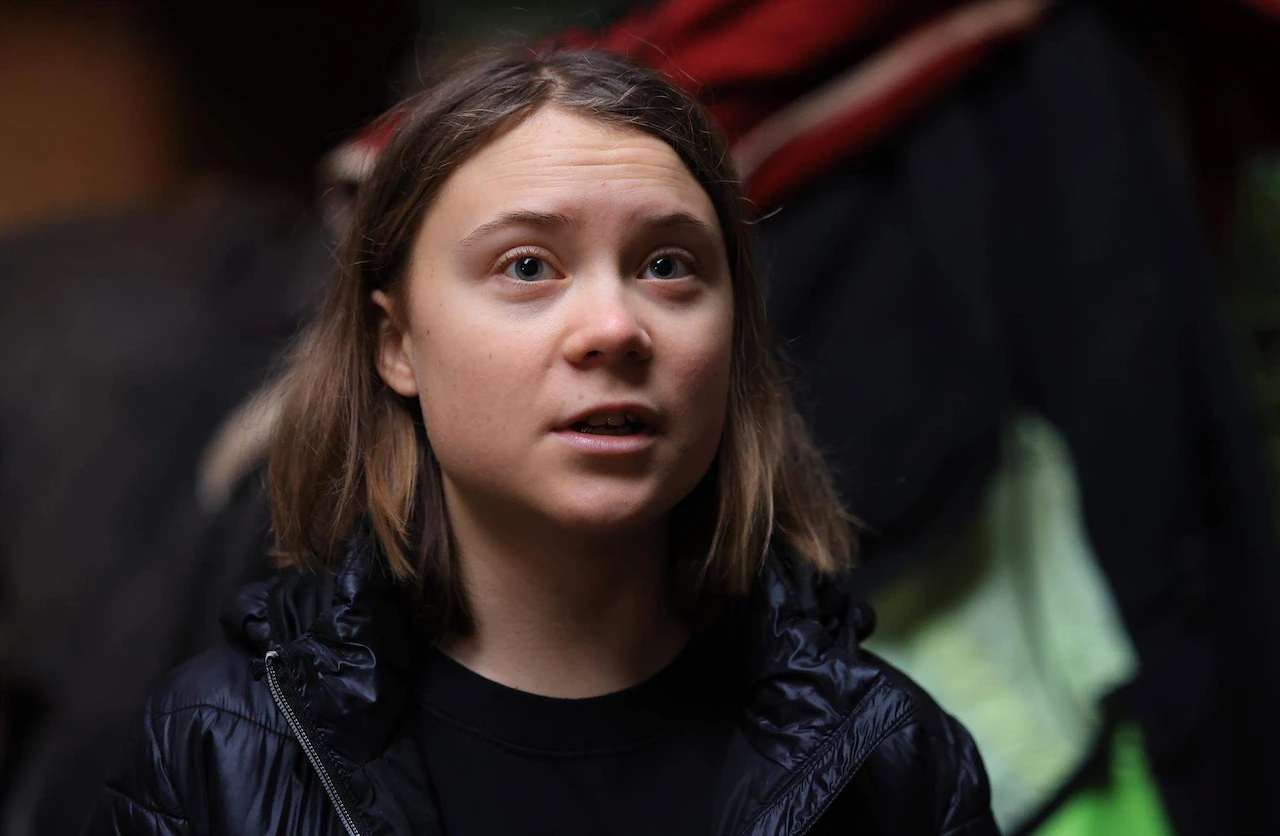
(140, 798)
(968, 805)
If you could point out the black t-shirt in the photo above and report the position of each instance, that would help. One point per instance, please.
(640, 761)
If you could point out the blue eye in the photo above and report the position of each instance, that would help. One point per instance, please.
(666, 267)
(527, 269)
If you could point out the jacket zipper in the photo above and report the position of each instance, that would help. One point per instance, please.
(313, 753)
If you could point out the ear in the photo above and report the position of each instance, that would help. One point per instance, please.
(395, 349)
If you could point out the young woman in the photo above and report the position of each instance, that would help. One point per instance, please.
(565, 560)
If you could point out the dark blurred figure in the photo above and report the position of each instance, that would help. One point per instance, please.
(975, 210)
(156, 252)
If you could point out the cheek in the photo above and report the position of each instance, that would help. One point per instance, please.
(702, 371)
(472, 380)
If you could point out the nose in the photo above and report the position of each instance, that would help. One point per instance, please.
(606, 328)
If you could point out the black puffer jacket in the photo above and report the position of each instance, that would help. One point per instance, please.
(293, 727)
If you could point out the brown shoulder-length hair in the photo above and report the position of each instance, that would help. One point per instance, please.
(349, 451)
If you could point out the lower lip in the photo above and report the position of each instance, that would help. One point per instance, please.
(607, 445)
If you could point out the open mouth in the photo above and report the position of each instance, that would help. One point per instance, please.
(611, 424)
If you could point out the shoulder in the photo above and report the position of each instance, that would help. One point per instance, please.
(215, 685)
(927, 718)
(208, 713)
(208, 725)
(929, 761)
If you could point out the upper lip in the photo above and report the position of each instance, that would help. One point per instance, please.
(646, 414)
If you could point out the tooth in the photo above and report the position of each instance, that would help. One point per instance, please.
(597, 420)
(616, 420)
(633, 418)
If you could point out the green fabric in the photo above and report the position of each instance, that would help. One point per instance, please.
(1129, 804)
(1012, 627)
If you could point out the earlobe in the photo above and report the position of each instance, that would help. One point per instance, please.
(394, 360)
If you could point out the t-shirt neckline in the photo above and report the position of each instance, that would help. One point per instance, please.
(621, 719)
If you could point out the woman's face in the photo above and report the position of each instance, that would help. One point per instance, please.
(569, 326)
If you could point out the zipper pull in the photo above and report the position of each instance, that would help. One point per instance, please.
(258, 667)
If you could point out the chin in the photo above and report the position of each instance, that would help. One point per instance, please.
(607, 512)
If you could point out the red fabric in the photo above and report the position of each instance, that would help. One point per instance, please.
(742, 58)
(887, 88)
(811, 153)
(1271, 7)
(747, 59)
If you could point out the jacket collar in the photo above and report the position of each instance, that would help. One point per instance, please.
(815, 705)
(347, 639)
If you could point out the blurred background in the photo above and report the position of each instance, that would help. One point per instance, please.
(1025, 256)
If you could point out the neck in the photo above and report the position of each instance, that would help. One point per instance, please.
(560, 613)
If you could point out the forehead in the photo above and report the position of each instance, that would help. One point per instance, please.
(563, 162)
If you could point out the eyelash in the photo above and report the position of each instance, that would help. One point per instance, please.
(684, 256)
(511, 257)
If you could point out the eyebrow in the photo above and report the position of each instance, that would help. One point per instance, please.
(678, 219)
(553, 220)
(545, 220)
